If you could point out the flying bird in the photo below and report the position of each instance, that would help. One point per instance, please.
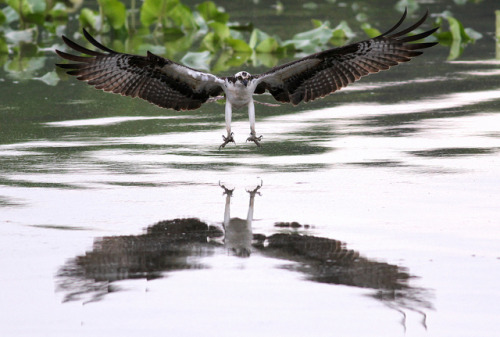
(174, 86)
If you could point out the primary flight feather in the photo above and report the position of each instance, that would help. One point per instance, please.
(174, 86)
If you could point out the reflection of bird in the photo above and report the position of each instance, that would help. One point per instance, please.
(238, 234)
(171, 85)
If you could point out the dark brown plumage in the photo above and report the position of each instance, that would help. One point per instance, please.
(172, 85)
(153, 78)
(330, 70)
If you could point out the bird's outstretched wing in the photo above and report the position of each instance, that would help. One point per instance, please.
(323, 73)
(153, 78)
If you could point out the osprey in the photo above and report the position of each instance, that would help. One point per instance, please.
(171, 85)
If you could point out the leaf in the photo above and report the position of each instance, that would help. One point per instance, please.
(3, 18)
(257, 37)
(200, 60)
(320, 35)
(220, 30)
(369, 30)
(474, 35)
(210, 42)
(310, 41)
(16, 36)
(318, 23)
(153, 48)
(269, 45)
(59, 12)
(89, 18)
(10, 15)
(456, 29)
(49, 78)
(348, 33)
(24, 68)
(183, 16)
(444, 38)
(180, 45)
(153, 10)
(32, 11)
(264, 59)
(210, 12)
(238, 45)
(229, 60)
(172, 34)
(115, 12)
(3, 46)
(456, 49)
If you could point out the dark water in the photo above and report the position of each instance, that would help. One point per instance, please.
(373, 211)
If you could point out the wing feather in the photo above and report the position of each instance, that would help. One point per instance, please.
(152, 78)
(323, 73)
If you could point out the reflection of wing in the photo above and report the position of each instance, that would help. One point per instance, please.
(323, 73)
(153, 78)
(329, 261)
(177, 244)
(166, 246)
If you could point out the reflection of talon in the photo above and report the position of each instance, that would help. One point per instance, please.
(227, 191)
(256, 189)
(228, 139)
(255, 139)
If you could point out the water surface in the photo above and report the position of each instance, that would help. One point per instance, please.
(371, 212)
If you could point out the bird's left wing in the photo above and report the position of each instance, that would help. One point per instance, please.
(323, 73)
(153, 78)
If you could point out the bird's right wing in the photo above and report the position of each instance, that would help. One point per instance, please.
(153, 78)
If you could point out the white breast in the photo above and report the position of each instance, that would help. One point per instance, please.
(237, 94)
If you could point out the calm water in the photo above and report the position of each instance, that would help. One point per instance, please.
(372, 212)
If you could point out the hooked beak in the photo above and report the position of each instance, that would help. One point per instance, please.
(245, 82)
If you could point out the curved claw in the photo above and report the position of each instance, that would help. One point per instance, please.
(255, 139)
(227, 191)
(228, 139)
(256, 189)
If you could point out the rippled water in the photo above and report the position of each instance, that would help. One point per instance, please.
(371, 212)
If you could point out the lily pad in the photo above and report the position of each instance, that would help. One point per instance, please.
(115, 12)
(200, 60)
(210, 12)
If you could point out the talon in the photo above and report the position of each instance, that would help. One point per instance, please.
(227, 191)
(255, 139)
(255, 190)
(228, 139)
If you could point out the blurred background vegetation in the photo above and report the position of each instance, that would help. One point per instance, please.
(201, 35)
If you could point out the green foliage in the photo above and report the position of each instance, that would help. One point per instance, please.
(157, 11)
(29, 11)
(209, 11)
(3, 18)
(311, 40)
(369, 30)
(114, 11)
(199, 60)
(89, 18)
(4, 49)
(202, 34)
(457, 37)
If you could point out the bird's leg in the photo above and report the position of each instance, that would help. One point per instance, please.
(251, 116)
(229, 138)
(229, 194)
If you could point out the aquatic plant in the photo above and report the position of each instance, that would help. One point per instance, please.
(202, 37)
